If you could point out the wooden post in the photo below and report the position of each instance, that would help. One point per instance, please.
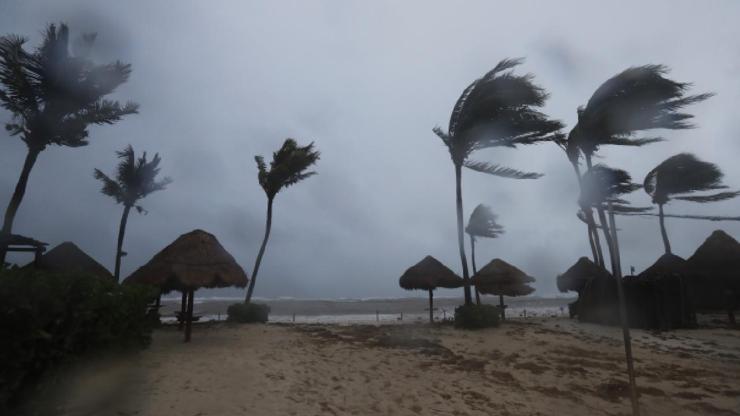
(189, 315)
(431, 306)
(617, 272)
(183, 310)
(502, 306)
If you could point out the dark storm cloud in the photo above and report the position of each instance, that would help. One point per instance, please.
(219, 82)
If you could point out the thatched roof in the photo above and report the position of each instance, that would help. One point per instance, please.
(576, 277)
(429, 274)
(19, 240)
(667, 264)
(719, 254)
(501, 278)
(68, 258)
(195, 260)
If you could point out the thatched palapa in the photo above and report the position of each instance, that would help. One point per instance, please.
(714, 273)
(578, 275)
(501, 278)
(194, 260)
(429, 274)
(68, 258)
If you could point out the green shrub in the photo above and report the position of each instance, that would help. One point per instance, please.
(476, 316)
(49, 318)
(245, 313)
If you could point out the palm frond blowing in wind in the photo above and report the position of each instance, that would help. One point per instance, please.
(636, 100)
(679, 177)
(134, 180)
(497, 110)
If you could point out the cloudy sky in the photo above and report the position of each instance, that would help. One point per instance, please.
(219, 82)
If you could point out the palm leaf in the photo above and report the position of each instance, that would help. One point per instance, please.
(497, 170)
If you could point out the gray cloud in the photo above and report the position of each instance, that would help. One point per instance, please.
(367, 81)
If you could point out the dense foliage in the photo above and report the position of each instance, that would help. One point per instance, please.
(476, 316)
(46, 319)
(245, 313)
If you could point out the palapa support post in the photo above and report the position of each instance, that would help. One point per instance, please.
(189, 315)
(502, 307)
(183, 310)
(431, 306)
(617, 272)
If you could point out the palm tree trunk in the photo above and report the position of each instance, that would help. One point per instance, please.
(604, 225)
(268, 226)
(475, 270)
(15, 200)
(607, 233)
(460, 238)
(663, 232)
(189, 315)
(183, 309)
(593, 235)
(119, 247)
(431, 306)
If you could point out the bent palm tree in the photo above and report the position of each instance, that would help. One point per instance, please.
(54, 96)
(635, 100)
(602, 186)
(496, 110)
(585, 213)
(482, 223)
(678, 177)
(287, 168)
(135, 179)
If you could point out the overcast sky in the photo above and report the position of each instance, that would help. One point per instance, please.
(367, 81)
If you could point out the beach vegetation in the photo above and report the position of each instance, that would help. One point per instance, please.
(475, 316)
(54, 95)
(247, 313)
(47, 319)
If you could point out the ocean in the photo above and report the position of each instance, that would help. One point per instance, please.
(348, 311)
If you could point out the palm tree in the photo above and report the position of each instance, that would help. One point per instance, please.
(585, 213)
(496, 110)
(54, 96)
(602, 186)
(287, 168)
(635, 100)
(482, 223)
(135, 179)
(678, 177)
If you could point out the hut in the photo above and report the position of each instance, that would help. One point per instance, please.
(194, 260)
(429, 274)
(501, 278)
(68, 258)
(577, 277)
(713, 273)
(654, 299)
(20, 244)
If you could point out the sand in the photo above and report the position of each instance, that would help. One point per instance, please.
(540, 366)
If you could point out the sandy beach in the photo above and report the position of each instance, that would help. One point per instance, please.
(537, 366)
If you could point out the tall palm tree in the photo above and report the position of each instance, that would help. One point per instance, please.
(287, 168)
(585, 214)
(602, 186)
(482, 223)
(54, 96)
(496, 110)
(679, 177)
(135, 179)
(636, 100)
